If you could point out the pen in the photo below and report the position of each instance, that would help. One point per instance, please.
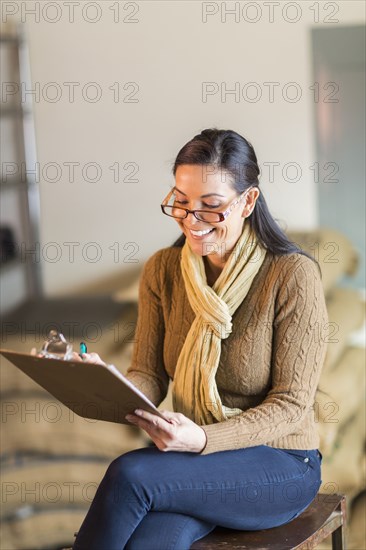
(83, 348)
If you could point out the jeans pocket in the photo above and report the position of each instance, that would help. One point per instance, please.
(301, 457)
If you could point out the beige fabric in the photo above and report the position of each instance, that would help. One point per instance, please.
(50, 483)
(41, 424)
(195, 391)
(334, 408)
(342, 470)
(128, 294)
(346, 312)
(335, 253)
(346, 379)
(49, 528)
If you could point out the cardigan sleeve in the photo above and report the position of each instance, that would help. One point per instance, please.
(147, 370)
(298, 352)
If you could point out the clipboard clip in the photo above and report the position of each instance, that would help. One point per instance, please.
(56, 347)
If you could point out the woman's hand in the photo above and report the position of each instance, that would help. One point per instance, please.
(88, 358)
(176, 433)
(85, 358)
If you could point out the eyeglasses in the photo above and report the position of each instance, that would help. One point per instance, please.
(180, 213)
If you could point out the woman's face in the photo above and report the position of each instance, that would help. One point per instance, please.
(204, 188)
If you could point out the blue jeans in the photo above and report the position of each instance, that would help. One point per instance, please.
(154, 500)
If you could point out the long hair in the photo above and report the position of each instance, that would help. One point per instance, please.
(231, 153)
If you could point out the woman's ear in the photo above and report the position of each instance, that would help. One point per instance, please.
(250, 203)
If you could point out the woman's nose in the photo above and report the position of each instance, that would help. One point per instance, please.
(191, 218)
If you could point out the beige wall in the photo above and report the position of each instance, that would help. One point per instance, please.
(169, 52)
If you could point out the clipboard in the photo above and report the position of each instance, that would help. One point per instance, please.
(92, 391)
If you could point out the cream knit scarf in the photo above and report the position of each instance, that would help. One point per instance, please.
(195, 392)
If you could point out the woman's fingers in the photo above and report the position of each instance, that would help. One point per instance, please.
(171, 416)
(85, 357)
(151, 423)
(34, 352)
(92, 358)
(175, 433)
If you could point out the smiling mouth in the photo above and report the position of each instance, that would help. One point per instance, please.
(201, 233)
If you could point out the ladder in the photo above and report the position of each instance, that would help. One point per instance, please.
(20, 269)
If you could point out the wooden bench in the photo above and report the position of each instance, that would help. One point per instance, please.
(326, 515)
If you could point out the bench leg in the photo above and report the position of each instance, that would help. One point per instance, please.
(338, 539)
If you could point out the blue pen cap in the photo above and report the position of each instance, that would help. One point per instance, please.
(83, 348)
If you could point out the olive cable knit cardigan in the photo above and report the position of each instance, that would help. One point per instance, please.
(270, 364)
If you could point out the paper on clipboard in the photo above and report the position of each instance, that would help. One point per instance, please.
(92, 391)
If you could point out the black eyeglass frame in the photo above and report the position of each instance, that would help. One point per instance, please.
(222, 215)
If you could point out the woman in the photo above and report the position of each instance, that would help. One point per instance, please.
(234, 313)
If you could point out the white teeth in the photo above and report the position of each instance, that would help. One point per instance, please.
(200, 233)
